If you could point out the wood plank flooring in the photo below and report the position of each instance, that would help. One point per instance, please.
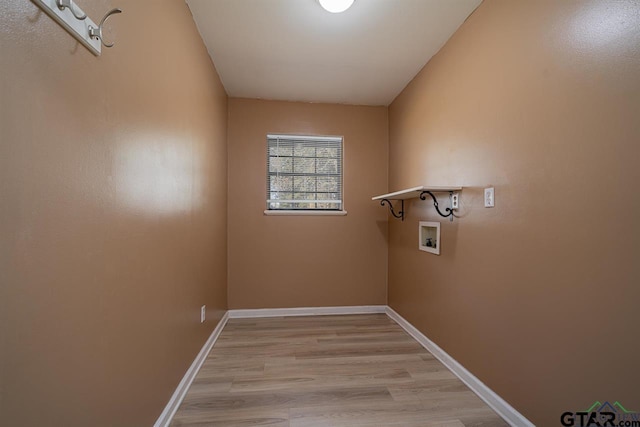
(358, 370)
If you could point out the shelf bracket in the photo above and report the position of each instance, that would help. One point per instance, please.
(423, 196)
(393, 212)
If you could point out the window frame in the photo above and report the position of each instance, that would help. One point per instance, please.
(305, 211)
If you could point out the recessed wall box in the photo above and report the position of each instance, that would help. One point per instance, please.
(429, 237)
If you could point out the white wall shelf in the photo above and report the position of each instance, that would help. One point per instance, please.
(420, 192)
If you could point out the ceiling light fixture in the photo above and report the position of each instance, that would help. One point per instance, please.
(335, 6)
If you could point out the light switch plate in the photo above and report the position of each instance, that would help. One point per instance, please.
(203, 313)
(489, 197)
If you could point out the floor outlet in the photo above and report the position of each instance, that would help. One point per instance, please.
(203, 311)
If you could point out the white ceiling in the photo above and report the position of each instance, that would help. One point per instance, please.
(294, 50)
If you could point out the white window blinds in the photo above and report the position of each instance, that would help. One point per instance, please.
(304, 172)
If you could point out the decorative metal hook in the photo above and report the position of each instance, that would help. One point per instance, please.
(435, 204)
(96, 33)
(393, 212)
(69, 4)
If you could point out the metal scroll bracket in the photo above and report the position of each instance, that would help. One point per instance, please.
(393, 212)
(423, 196)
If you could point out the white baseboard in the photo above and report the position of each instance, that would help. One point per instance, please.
(170, 410)
(506, 411)
(306, 311)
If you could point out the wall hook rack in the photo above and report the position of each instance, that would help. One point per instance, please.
(393, 212)
(423, 196)
(96, 33)
(70, 16)
(69, 4)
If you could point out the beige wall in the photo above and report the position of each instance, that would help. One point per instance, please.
(112, 213)
(293, 261)
(538, 297)
(113, 188)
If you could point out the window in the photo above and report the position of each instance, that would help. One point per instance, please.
(304, 173)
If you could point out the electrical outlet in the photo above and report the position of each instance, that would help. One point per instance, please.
(455, 200)
(203, 313)
(489, 197)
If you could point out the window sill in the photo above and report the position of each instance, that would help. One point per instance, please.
(304, 213)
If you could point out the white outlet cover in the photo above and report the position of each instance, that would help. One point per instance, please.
(489, 197)
(455, 200)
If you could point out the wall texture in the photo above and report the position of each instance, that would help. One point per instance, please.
(538, 297)
(112, 213)
(294, 261)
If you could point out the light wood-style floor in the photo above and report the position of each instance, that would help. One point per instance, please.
(359, 370)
